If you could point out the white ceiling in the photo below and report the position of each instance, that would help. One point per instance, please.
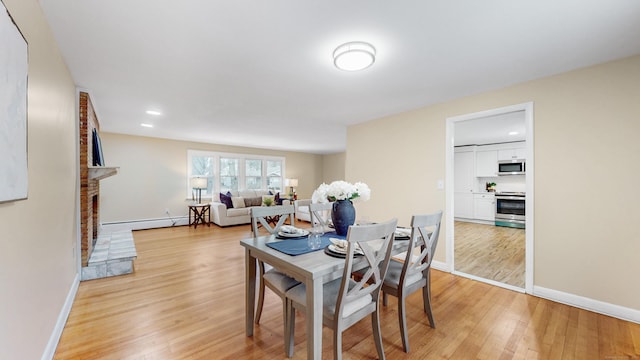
(507, 127)
(260, 73)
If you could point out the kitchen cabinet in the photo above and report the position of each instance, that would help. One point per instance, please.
(463, 171)
(463, 182)
(463, 205)
(511, 154)
(484, 207)
(486, 163)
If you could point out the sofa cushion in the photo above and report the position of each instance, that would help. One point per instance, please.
(238, 202)
(253, 201)
(226, 200)
(238, 212)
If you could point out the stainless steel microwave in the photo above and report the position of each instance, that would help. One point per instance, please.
(511, 167)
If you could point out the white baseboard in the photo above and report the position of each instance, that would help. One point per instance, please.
(439, 265)
(581, 302)
(50, 350)
(144, 224)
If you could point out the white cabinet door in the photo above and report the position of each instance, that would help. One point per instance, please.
(510, 154)
(463, 205)
(484, 207)
(486, 163)
(463, 171)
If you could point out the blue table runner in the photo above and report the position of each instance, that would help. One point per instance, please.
(299, 246)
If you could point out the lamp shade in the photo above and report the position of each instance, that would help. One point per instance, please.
(291, 182)
(199, 183)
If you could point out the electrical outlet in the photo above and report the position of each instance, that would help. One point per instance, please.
(166, 211)
(440, 185)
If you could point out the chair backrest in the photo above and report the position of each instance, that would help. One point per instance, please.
(425, 230)
(321, 214)
(259, 214)
(375, 242)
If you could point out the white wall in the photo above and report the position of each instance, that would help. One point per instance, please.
(38, 236)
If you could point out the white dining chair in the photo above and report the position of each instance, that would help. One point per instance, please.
(321, 215)
(412, 274)
(269, 277)
(346, 301)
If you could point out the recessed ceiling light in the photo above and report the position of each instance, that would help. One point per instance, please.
(154, 112)
(146, 125)
(354, 56)
(513, 133)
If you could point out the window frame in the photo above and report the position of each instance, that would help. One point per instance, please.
(216, 155)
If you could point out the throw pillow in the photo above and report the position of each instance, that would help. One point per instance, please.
(253, 201)
(238, 202)
(268, 200)
(277, 199)
(226, 200)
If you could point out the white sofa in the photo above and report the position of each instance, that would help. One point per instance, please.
(302, 209)
(222, 216)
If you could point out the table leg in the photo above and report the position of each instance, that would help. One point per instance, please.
(250, 291)
(314, 318)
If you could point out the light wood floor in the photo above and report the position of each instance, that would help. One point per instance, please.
(490, 252)
(186, 301)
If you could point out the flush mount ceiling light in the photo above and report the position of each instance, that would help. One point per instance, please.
(354, 56)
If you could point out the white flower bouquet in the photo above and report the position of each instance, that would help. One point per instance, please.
(341, 190)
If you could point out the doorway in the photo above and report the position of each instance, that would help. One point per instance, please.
(505, 262)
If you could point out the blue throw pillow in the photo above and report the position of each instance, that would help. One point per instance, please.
(226, 200)
(277, 199)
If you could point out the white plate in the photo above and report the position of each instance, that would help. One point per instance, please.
(300, 233)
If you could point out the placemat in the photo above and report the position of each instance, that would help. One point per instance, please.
(299, 246)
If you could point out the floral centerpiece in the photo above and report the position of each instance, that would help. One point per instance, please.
(342, 193)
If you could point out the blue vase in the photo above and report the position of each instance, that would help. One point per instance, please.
(343, 216)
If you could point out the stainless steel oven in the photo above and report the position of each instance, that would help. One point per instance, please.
(510, 209)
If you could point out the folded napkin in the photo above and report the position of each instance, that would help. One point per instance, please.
(403, 232)
(288, 229)
(341, 245)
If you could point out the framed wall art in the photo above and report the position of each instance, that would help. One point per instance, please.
(13, 109)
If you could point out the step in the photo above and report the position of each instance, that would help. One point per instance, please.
(113, 255)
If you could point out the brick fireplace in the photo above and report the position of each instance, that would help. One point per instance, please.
(102, 255)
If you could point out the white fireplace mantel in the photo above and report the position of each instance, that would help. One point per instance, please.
(101, 172)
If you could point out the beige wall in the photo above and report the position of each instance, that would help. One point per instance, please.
(38, 235)
(586, 171)
(333, 167)
(152, 175)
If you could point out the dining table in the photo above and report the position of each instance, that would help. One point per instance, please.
(313, 268)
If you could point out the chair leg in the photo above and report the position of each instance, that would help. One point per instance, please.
(260, 301)
(402, 320)
(426, 298)
(384, 298)
(377, 337)
(337, 343)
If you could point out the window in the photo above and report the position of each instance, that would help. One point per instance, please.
(202, 166)
(253, 174)
(274, 175)
(234, 172)
(228, 174)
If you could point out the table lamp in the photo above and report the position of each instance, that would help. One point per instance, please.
(291, 183)
(199, 183)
